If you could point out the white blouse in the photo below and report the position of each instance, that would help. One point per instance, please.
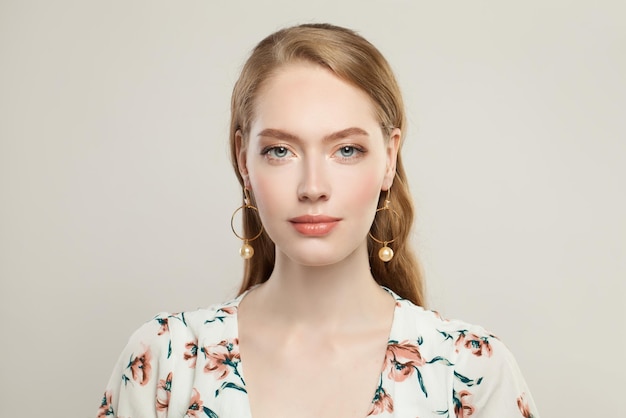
(188, 365)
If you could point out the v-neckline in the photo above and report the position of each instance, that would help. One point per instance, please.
(392, 331)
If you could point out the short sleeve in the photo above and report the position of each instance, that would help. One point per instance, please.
(487, 380)
(140, 384)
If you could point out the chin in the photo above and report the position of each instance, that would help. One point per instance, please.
(310, 260)
(317, 257)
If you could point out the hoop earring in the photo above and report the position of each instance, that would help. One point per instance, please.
(385, 253)
(246, 251)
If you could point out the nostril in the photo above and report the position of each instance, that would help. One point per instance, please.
(314, 183)
(312, 194)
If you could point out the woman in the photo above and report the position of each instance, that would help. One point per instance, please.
(328, 321)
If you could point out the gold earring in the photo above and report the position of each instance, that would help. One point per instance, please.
(246, 251)
(385, 253)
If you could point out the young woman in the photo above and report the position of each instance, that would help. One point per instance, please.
(329, 320)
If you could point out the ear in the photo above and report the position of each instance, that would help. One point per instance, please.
(241, 149)
(393, 146)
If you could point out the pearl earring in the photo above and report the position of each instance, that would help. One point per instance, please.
(385, 253)
(246, 251)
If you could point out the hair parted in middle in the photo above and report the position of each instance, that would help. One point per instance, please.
(353, 59)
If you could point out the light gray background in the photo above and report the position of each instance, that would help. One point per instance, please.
(116, 190)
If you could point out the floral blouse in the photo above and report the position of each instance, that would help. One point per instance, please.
(187, 365)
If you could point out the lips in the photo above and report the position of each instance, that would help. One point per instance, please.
(314, 225)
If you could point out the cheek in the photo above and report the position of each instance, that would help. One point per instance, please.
(267, 195)
(364, 190)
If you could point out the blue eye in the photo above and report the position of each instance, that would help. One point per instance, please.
(347, 151)
(278, 152)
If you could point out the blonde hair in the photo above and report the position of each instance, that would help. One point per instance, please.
(354, 59)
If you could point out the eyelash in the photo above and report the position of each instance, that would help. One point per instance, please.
(268, 150)
(357, 152)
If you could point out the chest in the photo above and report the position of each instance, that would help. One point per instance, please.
(376, 374)
(324, 378)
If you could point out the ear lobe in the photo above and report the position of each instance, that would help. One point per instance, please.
(393, 146)
(241, 149)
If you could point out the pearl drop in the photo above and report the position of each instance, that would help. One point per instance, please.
(385, 254)
(246, 251)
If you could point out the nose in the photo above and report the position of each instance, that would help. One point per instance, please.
(314, 184)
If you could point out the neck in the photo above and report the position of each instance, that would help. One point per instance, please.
(332, 297)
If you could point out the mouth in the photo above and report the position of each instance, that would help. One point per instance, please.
(314, 225)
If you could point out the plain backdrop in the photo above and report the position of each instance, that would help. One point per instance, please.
(116, 188)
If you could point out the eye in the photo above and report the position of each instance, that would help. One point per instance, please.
(277, 152)
(347, 151)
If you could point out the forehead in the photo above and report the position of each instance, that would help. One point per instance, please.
(308, 96)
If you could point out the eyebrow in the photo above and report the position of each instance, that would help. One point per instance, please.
(286, 136)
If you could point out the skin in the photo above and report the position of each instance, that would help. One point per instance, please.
(313, 337)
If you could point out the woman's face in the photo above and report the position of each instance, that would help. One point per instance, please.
(316, 161)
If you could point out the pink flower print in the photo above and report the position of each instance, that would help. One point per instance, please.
(222, 357)
(477, 345)
(229, 310)
(195, 405)
(382, 402)
(222, 313)
(106, 409)
(403, 358)
(141, 367)
(522, 404)
(164, 391)
(438, 316)
(462, 407)
(164, 326)
(191, 354)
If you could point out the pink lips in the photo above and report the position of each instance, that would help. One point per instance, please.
(314, 225)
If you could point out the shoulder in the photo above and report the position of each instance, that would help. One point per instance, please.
(463, 343)
(157, 332)
(164, 337)
(160, 359)
(167, 332)
(452, 337)
(184, 323)
(486, 380)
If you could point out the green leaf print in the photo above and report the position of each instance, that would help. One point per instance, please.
(209, 413)
(229, 385)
